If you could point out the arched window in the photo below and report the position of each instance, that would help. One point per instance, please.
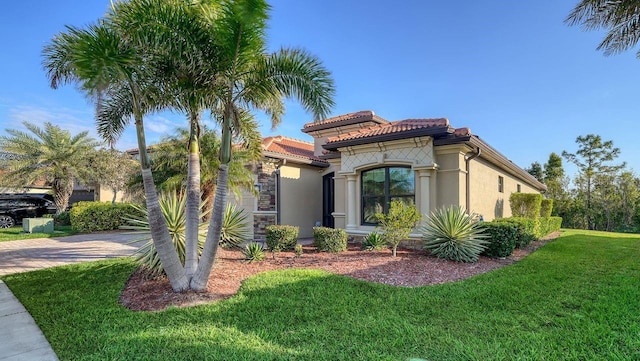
(382, 185)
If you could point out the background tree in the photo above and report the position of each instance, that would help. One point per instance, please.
(50, 154)
(592, 159)
(535, 169)
(620, 18)
(556, 182)
(170, 169)
(112, 169)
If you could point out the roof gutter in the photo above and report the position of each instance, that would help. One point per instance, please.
(467, 159)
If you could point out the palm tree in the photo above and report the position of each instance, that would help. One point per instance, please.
(179, 41)
(109, 69)
(170, 169)
(250, 78)
(620, 18)
(49, 154)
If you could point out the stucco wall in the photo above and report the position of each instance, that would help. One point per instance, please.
(300, 197)
(486, 199)
(451, 176)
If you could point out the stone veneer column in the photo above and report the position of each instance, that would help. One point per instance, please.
(351, 201)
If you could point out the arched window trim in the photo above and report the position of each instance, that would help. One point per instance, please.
(365, 218)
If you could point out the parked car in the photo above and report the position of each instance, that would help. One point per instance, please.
(15, 207)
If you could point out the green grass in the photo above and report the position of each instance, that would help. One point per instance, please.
(17, 233)
(574, 299)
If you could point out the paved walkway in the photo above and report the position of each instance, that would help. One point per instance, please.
(20, 337)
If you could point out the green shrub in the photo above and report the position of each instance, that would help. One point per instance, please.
(298, 250)
(253, 252)
(550, 225)
(173, 210)
(329, 239)
(62, 219)
(545, 208)
(281, 238)
(374, 241)
(453, 234)
(525, 204)
(528, 229)
(397, 224)
(235, 227)
(99, 216)
(501, 239)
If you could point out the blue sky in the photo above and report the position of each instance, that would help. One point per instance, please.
(512, 71)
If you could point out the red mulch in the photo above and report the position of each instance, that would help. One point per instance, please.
(410, 268)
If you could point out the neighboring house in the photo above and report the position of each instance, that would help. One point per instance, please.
(360, 161)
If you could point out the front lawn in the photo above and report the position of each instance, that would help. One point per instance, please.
(17, 233)
(574, 299)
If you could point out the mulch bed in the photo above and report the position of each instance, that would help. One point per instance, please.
(410, 268)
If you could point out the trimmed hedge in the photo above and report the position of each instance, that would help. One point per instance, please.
(550, 225)
(532, 229)
(502, 238)
(99, 216)
(528, 229)
(281, 237)
(546, 207)
(525, 205)
(329, 239)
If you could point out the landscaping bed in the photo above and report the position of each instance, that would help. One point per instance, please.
(409, 269)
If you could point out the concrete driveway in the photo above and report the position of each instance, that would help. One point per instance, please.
(31, 254)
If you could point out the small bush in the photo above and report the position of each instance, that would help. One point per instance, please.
(253, 252)
(525, 204)
(100, 216)
(62, 219)
(501, 239)
(453, 234)
(298, 250)
(281, 238)
(397, 224)
(374, 241)
(329, 239)
(528, 229)
(545, 208)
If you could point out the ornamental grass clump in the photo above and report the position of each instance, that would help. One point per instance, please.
(374, 242)
(453, 234)
(173, 205)
(253, 252)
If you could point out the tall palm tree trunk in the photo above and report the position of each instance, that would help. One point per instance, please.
(157, 224)
(192, 213)
(201, 277)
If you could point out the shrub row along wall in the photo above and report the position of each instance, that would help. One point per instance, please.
(99, 216)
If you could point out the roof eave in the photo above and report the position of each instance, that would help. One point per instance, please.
(489, 151)
(294, 159)
(431, 131)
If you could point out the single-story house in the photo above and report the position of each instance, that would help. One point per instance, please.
(359, 162)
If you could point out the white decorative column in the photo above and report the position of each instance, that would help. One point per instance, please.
(425, 192)
(351, 201)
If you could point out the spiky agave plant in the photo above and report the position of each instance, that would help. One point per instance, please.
(453, 234)
(173, 208)
(253, 252)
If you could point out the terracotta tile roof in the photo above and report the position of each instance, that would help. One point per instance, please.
(393, 127)
(345, 119)
(290, 147)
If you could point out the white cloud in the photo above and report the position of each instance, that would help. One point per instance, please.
(73, 120)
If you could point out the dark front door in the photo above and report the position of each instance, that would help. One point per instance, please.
(327, 200)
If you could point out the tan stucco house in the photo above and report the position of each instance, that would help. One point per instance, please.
(358, 162)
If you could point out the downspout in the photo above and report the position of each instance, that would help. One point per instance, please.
(278, 210)
(467, 159)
